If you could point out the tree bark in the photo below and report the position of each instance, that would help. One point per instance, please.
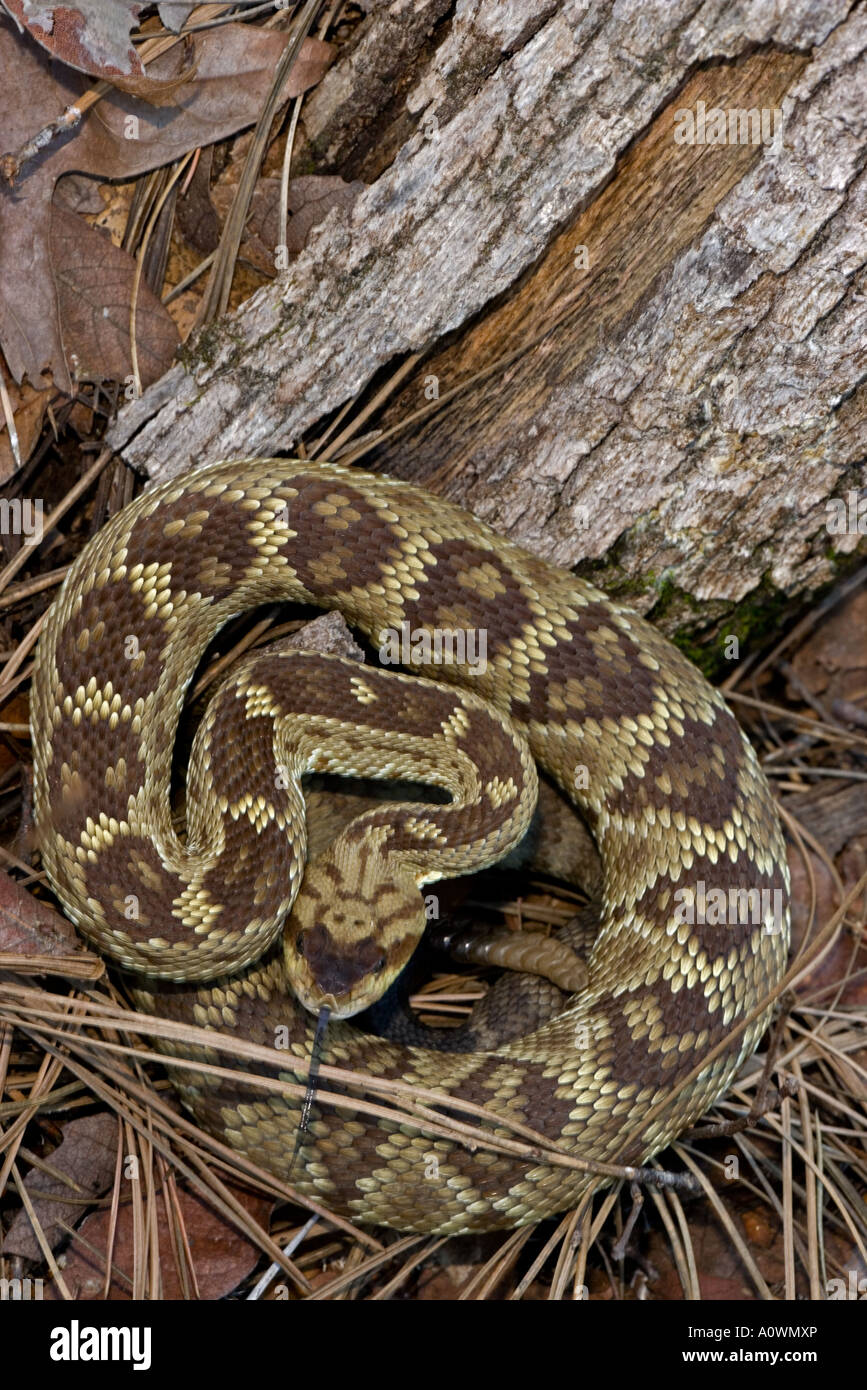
(698, 394)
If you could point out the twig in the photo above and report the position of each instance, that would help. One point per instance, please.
(139, 266)
(731, 1229)
(288, 1250)
(11, 164)
(283, 220)
(618, 1249)
(373, 405)
(189, 279)
(28, 587)
(18, 561)
(728, 1128)
(216, 297)
(791, 716)
(364, 1270)
(848, 713)
(36, 1227)
(405, 1102)
(9, 416)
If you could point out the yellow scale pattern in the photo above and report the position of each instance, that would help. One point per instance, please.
(618, 718)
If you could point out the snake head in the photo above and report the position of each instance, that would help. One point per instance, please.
(349, 934)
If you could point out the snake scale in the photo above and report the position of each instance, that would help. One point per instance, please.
(617, 717)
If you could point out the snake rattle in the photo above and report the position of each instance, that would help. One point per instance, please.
(213, 924)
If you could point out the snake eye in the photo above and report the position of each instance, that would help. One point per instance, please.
(380, 966)
(299, 943)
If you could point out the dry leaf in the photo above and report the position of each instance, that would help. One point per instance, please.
(721, 1274)
(119, 138)
(310, 198)
(94, 281)
(195, 214)
(832, 662)
(175, 13)
(80, 194)
(29, 927)
(87, 1154)
(221, 1256)
(93, 36)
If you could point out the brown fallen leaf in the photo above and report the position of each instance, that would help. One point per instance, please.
(221, 1255)
(175, 13)
(93, 36)
(119, 138)
(94, 280)
(832, 662)
(827, 900)
(195, 213)
(78, 193)
(310, 199)
(87, 1155)
(35, 937)
(840, 830)
(721, 1275)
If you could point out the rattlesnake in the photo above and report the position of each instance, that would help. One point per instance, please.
(615, 715)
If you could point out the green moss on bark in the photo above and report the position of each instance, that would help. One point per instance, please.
(702, 629)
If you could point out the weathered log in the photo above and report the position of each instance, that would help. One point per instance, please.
(696, 401)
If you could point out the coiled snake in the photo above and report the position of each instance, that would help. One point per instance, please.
(615, 715)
